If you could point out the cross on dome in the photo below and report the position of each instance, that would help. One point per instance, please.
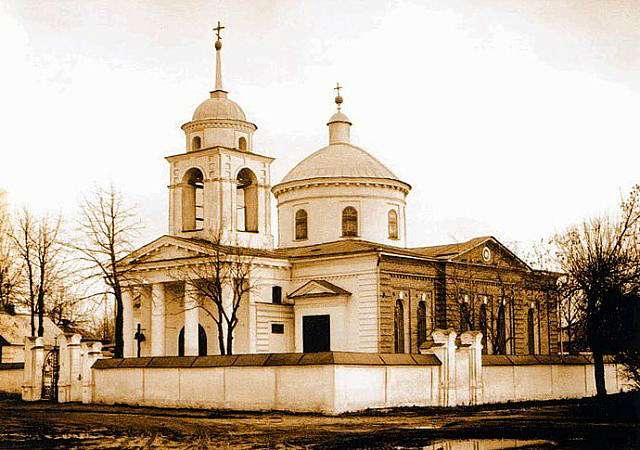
(339, 99)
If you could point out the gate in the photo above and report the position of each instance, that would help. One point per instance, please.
(50, 373)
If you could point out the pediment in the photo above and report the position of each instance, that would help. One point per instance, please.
(318, 288)
(492, 252)
(165, 248)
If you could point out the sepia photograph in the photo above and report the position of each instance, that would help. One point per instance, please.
(320, 224)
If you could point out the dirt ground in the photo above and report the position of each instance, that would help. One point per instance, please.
(588, 423)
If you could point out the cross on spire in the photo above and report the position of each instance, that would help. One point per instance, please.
(218, 46)
(218, 29)
(337, 89)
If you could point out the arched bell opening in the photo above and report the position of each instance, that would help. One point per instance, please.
(193, 200)
(246, 201)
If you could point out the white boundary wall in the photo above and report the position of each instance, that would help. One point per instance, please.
(450, 372)
(327, 388)
(545, 382)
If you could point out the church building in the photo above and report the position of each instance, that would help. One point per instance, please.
(339, 277)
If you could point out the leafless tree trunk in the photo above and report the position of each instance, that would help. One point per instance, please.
(226, 266)
(601, 258)
(106, 228)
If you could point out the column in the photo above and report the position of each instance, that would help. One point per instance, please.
(127, 323)
(190, 322)
(157, 319)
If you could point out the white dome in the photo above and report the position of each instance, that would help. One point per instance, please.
(219, 107)
(339, 160)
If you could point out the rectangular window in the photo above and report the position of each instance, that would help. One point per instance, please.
(276, 295)
(277, 328)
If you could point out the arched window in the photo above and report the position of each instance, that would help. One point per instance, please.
(466, 313)
(422, 322)
(393, 224)
(483, 325)
(242, 144)
(501, 341)
(531, 340)
(247, 201)
(276, 294)
(202, 342)
(196, 143)
(349, 222)
(301, 224)
(398, 328)
(193, 200)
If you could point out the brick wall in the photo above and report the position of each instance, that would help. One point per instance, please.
(444, 285)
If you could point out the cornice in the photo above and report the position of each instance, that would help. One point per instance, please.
(198, 125)
(386, 183)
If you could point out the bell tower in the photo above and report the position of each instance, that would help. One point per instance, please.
(219, 188)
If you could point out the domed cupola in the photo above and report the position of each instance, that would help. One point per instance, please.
(340, 192)
(219, 121)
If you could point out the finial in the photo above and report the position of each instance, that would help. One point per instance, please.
(338, 97)
(218, 46)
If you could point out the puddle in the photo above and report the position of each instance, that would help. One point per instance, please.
(488, 444)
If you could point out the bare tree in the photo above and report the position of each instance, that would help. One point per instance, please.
(601, 258)
(227, 269)
(40, 252)
(488, 310)
(68, 307)
(106, 229)
(9, 268)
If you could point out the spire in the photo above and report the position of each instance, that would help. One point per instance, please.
(218, 46)
(339, 124)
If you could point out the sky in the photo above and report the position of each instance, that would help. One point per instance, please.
(510, 118)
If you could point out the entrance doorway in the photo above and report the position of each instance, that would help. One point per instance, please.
(316, 334)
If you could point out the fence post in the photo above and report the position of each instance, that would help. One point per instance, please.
(443, 346)
(32, 375)
(75, 369)
(91, 352)
(64, 368)
(472, 343)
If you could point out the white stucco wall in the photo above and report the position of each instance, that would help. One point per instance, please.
(354, 319)
(11, 380)
(321, 388)
(12, 353)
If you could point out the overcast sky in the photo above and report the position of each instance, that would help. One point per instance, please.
(511, 118)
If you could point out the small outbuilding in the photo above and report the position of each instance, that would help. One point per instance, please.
(14, 328)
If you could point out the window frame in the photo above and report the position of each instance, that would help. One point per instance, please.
(296, 220)
(348, 221)
(395, 232)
